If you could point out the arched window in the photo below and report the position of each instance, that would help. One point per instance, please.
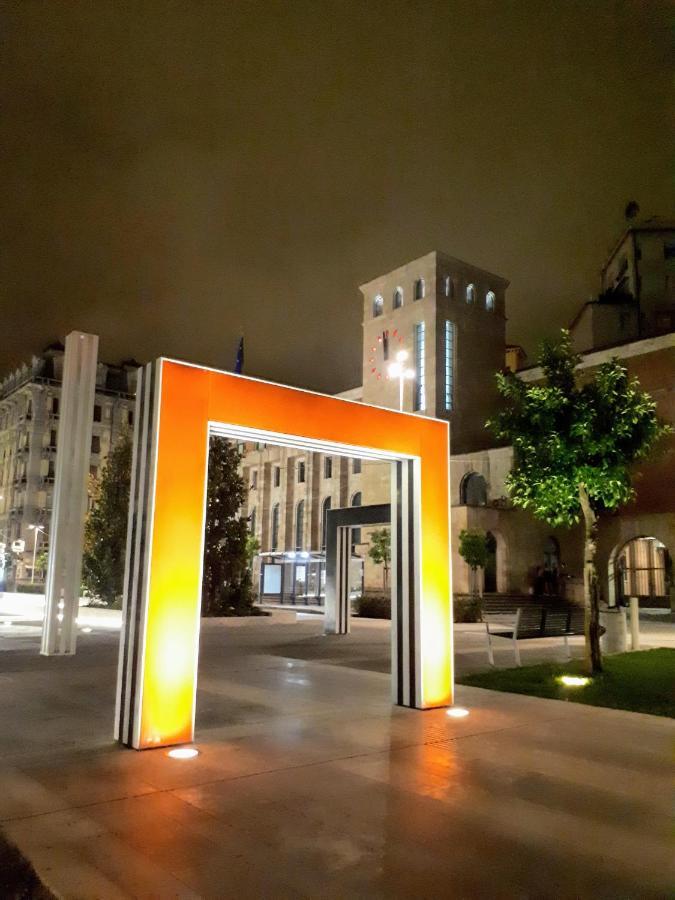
(473, 490)
(419, 289)
(449, 287)
(252, 520)
(274, 540)
(299, 524)
(325, 506)
(490, 301)
(378, 305)
(470, 293)
(398, 298)
(357, 500)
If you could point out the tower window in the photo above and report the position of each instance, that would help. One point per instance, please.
(299, 524)
(301, 472)
(357, 500)
(274, 542)
(324, 521)
(419, 345)
(254, 479)
(277, 476)
(378, 305)
(252, 520)
(449, 363)
(490, 301)
(398, 298)
(328, 467)
(449, 287)
(356, 466)
(419, 289)
(470, 293)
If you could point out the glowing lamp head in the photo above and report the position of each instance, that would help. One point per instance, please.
(183, 753)
(402, 355)
(394, 370)
(457, 712)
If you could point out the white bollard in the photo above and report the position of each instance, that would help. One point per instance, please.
(613, 619)
(634, 623)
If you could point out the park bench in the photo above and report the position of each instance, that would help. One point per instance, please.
(522, 619)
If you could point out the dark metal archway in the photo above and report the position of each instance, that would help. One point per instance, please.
(339, 523)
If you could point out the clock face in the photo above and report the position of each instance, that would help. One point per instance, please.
(383, 353)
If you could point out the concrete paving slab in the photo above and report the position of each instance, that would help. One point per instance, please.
(309, 784)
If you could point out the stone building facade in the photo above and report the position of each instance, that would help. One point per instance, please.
(448, 318)
(29, 415)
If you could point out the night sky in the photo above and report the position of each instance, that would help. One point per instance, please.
(176, 174)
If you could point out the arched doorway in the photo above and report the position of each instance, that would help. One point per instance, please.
(640, 568)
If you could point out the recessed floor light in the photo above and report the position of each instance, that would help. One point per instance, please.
(574, 680)
(86, 630)
(183, 753)
(457, 712)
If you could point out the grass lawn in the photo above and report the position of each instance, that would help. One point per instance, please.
(643, 681)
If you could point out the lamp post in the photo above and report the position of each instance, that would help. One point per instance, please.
(398, 370)
(36, 529)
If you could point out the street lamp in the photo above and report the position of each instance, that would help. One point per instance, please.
(398, 370)
(36, 529)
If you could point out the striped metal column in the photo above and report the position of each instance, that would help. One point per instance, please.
(405, 585)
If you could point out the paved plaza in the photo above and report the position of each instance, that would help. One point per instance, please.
(309, 784)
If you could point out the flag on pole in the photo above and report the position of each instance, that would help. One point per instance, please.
(239, 363)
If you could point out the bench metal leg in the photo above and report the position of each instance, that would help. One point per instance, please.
(567, 647)
(516, 651)
(491, 658)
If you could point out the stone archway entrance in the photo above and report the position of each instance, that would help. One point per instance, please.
(640, 568)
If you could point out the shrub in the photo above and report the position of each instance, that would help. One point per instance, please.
(465, 608)
(373, 606)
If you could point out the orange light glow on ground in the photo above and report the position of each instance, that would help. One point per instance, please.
(191, 399)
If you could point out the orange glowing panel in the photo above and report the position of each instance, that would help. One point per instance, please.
(194, 402)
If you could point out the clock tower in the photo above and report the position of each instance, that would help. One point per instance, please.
(448, 317)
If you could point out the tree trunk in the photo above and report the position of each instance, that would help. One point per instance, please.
(591, 586)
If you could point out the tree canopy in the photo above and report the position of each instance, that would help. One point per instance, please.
(228, 545)
(105, 530)
(568, 432)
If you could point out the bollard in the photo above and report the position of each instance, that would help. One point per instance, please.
(613, 619)
(634, 623)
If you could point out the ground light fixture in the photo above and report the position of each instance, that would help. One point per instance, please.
(183, 753)
(574, 680)
(457, 712)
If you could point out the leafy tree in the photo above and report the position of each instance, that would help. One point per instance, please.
(473, 550)
(227, 587)
(574, 441)
(105, 531)
(380, 551)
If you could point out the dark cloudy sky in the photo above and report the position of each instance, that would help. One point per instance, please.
(177, 173)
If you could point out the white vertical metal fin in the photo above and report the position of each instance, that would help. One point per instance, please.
(64, 571)
(128, 706)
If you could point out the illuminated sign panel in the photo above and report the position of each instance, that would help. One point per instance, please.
(180, 406)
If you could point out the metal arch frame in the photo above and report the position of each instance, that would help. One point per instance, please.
(180, 406)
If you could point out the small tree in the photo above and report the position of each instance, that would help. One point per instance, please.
(105, 531)
(227, 587)
(380, 552)
(473, 550)
(573, 446)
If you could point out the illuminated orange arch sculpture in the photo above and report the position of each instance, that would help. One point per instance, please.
(179, 407)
